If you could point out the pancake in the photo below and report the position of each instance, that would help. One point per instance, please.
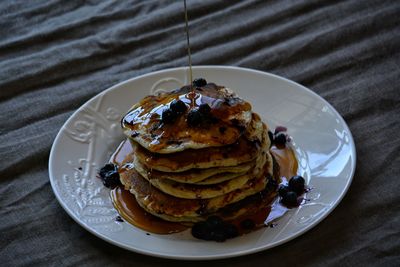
(248, 206)
(195, 191)
(242, 151)
(219, 178)
(205, 191)
(196, 176)
(144, 125)
(172, 208)
(164, 205)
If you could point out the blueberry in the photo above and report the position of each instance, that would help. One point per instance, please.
(177, 106)
(200, 82)
(280, 129)
(204, 109)
(108, 167)
(194, 118)
(200, 230)
(111, 181)
(290, 199)
(231, 230)
(297, 184)
(283, 189)
(271, 136)
(168, 116)
(109, 175)
(214, 228)
(247, 224)
(214, 221)
(219, 236)
(280, 139)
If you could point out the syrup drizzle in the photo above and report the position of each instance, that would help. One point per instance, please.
(188, 46)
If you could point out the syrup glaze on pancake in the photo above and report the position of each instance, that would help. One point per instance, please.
(144, 125)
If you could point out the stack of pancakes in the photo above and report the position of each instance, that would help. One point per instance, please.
(184, 169)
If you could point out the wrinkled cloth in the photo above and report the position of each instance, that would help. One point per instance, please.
(55, 55)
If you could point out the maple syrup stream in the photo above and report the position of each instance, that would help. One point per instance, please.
(188, 46)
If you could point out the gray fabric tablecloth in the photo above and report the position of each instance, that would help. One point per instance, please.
(55, 55)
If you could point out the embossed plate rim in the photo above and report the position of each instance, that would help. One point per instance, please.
(202, 257)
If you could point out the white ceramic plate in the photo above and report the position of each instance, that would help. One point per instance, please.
(322, 140)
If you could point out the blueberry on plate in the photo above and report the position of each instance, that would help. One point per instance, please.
(283, 189)
(231, 230)
(280, 138)
(219, 236)
(109, 175)
(280, 129)
(214, 221)
(297, 184)
(111, 181)
(107, 168)
(290, 199)
(201, 230)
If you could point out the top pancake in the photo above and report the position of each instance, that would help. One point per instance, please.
(231, 116)
(245, 149)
